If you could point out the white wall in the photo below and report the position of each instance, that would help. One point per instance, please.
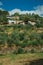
(32, 23)
(12, 21)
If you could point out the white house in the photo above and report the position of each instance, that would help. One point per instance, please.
(11, 21)
(32, 23)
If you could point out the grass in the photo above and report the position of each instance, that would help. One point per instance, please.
(19, 59)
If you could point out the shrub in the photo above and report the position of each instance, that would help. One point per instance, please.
(34, 43)
(3, 38)
(32, 51)
(23, 45)
(15, 52)
(41, 35)
(9, 42)
(20, 51)
(21, 36)
(15, 37)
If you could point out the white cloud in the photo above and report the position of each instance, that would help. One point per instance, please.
(37, 10)
(1, 3)
(19, 11)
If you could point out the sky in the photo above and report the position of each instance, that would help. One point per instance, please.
(22, 6)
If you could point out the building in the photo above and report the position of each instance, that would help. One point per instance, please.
(32, 23)
(13, 17)
(11, 21)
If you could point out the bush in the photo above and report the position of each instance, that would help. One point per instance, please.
(20, 51)
(3, 38)
(23, 45)
(21, 36)
(32, 51)
(9, 42)
(15, 52)
(34, 43)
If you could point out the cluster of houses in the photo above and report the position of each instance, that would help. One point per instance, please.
(15, 20)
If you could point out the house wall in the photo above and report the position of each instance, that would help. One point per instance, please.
(11, 21)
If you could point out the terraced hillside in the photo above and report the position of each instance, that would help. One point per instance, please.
(20, 39)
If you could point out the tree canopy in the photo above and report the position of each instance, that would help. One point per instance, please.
(3, 17)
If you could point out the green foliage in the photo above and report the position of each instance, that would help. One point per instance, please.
(3, 17)
(34, 43)
(18, 38)
(3, 38)
(21, 36)
(16, 14)
(39, 24)
(32, 51)
(9, 42)
(41, 35)
(20, 51)
(15, 37)
(26, 19)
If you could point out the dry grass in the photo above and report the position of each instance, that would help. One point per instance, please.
(19, 59)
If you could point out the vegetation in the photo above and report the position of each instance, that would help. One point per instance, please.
(17, 37)
(21, 37)
(3, 17)
(21, 59)
(20, 44)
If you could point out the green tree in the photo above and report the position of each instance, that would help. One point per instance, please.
(3, 17)
(26, 19)
(16, 14)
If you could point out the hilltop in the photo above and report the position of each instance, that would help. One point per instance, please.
(26, 35)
